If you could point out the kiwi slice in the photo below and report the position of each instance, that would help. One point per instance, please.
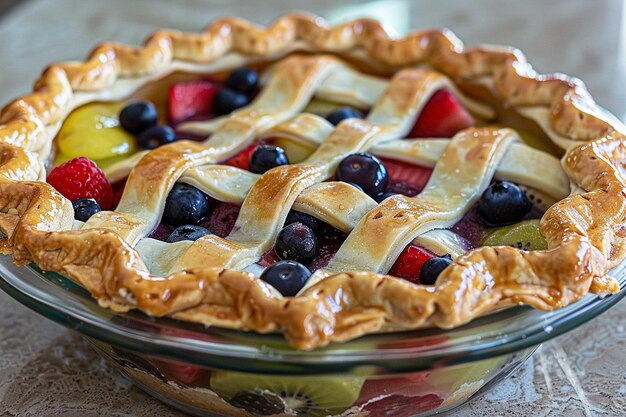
(523, 235)
(304, 396)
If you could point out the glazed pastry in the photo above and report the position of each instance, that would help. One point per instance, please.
(322, 182)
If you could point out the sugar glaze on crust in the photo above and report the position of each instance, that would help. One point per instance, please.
(585, 230)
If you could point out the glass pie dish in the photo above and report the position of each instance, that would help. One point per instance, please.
(218, 372)
(231, 278)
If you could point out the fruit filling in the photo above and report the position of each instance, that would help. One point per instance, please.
(192, 100)
(505, 214)
(405, 178)
(190, 214)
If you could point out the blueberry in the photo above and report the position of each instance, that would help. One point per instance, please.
(185, 205)
(503, 203)
(84, 208)
(298, 217)
(228, 100)
(343, 113)
(432, 268)
(296, 242)
(187, 232)
(364, 170)
(288, 277)
(243, 79)
(138, 116)
(261, 403)
(266, 157)
(155, 136)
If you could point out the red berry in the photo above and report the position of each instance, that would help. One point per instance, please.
(410, 262)
(193, 98)
(406, 178)
(402, 405)
(442, 117)
(242, 159)
(81, 178)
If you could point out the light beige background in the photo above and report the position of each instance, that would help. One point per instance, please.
(46, 370)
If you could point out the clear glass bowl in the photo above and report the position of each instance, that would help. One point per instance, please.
(218, 372)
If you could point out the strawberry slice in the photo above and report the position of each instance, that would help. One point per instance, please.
(242, 159)
(189, 99)
(402, 405)
(410, 262)
(183, 373)
(442, 117)
(406, 178)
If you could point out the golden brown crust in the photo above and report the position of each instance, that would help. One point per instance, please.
(585, 232)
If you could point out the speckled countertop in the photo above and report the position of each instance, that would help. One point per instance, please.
(46, 370)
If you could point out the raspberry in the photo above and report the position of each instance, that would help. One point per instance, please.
(81, 178)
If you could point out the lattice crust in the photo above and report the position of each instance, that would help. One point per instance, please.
(204, 281)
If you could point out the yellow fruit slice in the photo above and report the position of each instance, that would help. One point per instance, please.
(322, 107)
(296, 152)
(94, 131)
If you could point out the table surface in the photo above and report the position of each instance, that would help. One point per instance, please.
(47, 370)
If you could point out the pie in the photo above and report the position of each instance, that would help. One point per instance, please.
(322, 182)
